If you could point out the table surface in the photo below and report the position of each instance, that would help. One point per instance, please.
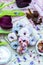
(30, 57)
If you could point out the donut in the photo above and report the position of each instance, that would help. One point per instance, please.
(22, 24)
(6, 26)
(21, 50)
(23, 3)
(23, 41)
(14, 45)
(15, 29)
(24, 32)
(12, 36)
(6, 19)
(19, 25)
(23, 44)
(32, 41)
(6, 22)
(35, 34)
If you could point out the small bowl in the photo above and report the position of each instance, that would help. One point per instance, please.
(39, 47)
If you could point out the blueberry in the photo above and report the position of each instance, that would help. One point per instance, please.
(24, 58)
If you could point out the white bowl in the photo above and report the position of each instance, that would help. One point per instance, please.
(5, 55)
(37, 47)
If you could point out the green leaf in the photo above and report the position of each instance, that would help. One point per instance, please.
(3, 43)
(1, 4)
(4, 31)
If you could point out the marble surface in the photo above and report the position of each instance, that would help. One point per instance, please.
(30, 57)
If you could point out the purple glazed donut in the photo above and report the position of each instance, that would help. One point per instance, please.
(6, 22)
(6, 19)
(23, 3)
(6, 26)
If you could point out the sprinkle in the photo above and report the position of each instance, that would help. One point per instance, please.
(34, 57)
(24, 58)
(30, 55)
(38, 61)
(31, 63)
(37, 56)
(38, 28)
(18, 60)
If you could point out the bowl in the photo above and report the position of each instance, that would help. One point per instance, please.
(39, 47)
(5, 55)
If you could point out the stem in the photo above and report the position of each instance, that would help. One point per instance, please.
(7, 4)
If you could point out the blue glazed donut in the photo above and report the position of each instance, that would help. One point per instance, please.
(15, 29)
(32, 41)
(19, 25)
(14, 45)
(12, 36)
(24, 32)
